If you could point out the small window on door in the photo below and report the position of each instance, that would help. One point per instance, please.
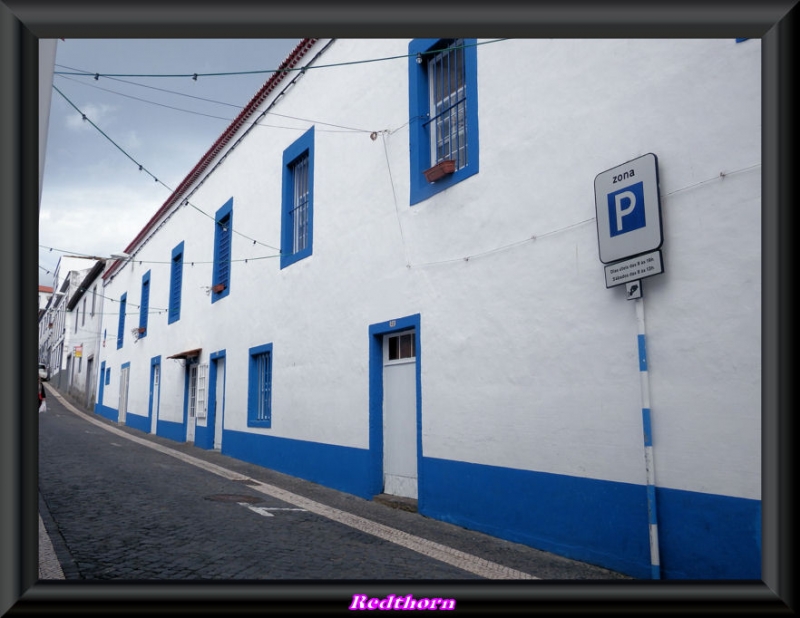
(402, 346)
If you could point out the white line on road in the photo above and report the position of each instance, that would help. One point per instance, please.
(265, 510)
(443, 553)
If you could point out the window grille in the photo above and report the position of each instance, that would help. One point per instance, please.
(297, 200)
(259, 387)
(299, 210)
(263, 375)
(448, 104)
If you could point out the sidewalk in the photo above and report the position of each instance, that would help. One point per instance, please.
(49, 566)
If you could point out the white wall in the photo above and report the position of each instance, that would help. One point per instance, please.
(528, 361)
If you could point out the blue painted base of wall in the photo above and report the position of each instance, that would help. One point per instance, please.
(342, 468)
(171, 430)
(702, 536)
(110, 413)
(142, 423)
(705, 536)
(599, 522)
(203, 437)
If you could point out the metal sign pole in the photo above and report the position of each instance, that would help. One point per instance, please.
(655, 566)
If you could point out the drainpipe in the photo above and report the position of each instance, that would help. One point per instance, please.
(652, 515)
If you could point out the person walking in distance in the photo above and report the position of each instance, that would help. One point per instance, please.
(42, 397)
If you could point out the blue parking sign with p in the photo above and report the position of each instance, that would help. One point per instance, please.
(626, 210)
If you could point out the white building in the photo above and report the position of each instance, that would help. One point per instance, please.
(69, 326)
(45, 292)
(307, 301)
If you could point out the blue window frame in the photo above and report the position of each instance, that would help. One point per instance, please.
(144, 305)
(259, 390)
(223, 235)
(123, 303)
(175, 281)
(443, 112)
(297, 200)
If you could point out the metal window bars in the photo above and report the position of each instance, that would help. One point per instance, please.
(299, 211)
(448, 104)
(264, 386)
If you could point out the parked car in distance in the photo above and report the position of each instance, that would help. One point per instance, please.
(44, 374)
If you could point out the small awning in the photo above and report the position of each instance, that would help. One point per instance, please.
(188, 354)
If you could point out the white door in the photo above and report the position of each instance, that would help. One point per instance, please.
(89, 382)
(218, 399)
(192, 404)
(400, 415)
(155, 397)
(123, 394)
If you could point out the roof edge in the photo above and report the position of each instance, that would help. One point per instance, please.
(247, 111)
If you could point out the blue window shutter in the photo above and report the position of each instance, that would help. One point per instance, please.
(123, 301)
(144, 306)
(176, 278)
(224, 262)
(223, 235)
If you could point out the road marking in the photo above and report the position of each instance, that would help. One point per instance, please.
(443, 553)
(265, 510)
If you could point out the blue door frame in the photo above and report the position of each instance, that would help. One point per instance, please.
(376, 334)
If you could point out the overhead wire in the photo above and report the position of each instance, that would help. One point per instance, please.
(149, 173)
(195, 76)
(344, 129)
(186, 201)
(140, 262)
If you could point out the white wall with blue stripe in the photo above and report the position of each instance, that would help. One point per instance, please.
(529, 395)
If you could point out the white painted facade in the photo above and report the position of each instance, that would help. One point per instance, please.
(45, 293)
(528, 366)
(70, 324)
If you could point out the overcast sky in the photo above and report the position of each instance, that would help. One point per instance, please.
(144, 109)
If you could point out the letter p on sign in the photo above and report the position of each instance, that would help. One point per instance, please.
(626, 209)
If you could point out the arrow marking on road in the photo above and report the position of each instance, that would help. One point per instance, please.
(265, 510)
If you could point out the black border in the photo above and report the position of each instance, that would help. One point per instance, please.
(23, 22)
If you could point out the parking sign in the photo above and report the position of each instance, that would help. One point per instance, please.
(628, 208)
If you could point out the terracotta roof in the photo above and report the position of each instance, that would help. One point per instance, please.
(247, 111)
(46, 289)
